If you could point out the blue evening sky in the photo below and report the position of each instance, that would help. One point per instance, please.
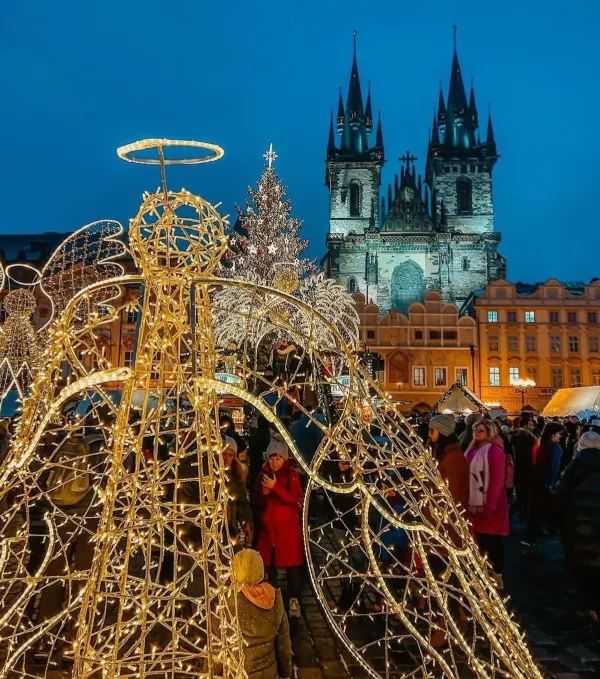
(80, 77)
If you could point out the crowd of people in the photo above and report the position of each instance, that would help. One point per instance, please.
(546, 472)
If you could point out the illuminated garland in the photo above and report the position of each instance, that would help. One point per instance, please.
(134, 579)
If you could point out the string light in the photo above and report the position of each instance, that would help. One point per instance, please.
(143, 510)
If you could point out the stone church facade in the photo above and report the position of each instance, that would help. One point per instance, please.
(436, 234)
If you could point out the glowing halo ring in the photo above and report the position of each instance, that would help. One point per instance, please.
(124, 152)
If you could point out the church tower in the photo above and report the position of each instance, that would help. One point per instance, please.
(459, 165)
(354, 167)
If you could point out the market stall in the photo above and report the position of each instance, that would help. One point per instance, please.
(581, 401)
(459, 400)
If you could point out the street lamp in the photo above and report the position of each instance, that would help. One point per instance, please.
(522, 386)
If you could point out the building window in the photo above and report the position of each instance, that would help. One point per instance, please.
(573, 344)
(555, 344)
(576, 377)
(352, 285)
(462, 376)
(128, 358)
(435, 335)
(513, 375)
(419, 377)
(492, 316)
(592, 317)
(571, 317)
(530, 317)
(557, 378)
(466, 264)
(493, 344)
(131, 316)
(354, 199)
(371, 334)
(418, 334)
(593, 344)
(530, 343)
(450, 335)
(440, 377)
(596, 378)
(463, 196)
(494, 377)
(533, 374)
(554, 317)
(513, 344)
(511, 316)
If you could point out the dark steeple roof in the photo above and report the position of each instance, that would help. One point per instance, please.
(490, 141)
(457, 97)
(340, 114)
(369, 112)
(355, 123)
(379, 134)
(458, 121)
(473, 108)
(331, 138)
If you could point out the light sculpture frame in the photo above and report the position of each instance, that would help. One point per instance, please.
(153, 594)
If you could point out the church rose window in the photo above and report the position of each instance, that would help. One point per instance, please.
(463, 196)
(354, 199)
(407, 286)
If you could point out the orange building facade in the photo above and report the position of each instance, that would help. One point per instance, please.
(547, 333)
(423, 352)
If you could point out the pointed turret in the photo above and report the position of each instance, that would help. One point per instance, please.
(491, 139)
(435, 133)
(354, 103)
(457, 97)
(473, 108)
(340, 114)
(379, 135)
(331, 138)
(441, 106)
(369, 112)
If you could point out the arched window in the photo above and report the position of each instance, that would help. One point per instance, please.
(463, 196)
(352, 285)
(466, 264)
(355, 199)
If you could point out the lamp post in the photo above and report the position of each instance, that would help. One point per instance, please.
(522, 386)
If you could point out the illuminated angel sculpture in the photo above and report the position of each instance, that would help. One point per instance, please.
(266, 250)
(83, 258)
(115, 557)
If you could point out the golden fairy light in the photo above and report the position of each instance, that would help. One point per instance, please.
(115, 556)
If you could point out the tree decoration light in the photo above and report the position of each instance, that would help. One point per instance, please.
(266, 250)
(132, 522)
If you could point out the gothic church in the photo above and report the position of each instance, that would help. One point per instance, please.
(432, 235)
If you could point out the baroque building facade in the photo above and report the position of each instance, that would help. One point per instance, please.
(436, 234)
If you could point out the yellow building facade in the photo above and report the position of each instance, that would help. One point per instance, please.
(548, 334)
(423, 352)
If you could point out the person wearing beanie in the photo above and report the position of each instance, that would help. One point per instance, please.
(239, 512)
(278, 500)
(467, 435)
(263, 622)
(577, 496)
(448, 453)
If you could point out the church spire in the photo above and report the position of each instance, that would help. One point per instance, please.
(340, 113)
(457, 97)
(354, 103)
(331, 138)
(369, 112)
(435, 134)
(473, 107)
(379, 134)
(491, 140)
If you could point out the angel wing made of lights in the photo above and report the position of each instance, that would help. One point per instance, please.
(83, 258)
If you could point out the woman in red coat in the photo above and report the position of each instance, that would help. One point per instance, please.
(278, 499)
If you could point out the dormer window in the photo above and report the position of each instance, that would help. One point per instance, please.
(355, 199)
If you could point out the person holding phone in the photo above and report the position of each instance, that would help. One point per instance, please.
(278, 500)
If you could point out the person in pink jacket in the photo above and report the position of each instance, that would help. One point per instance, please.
(488, 504)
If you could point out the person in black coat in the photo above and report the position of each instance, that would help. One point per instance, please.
(578, 497)
(522, 441)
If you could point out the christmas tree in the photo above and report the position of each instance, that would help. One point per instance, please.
(266, 246)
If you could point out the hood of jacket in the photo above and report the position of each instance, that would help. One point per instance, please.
(261, 595)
